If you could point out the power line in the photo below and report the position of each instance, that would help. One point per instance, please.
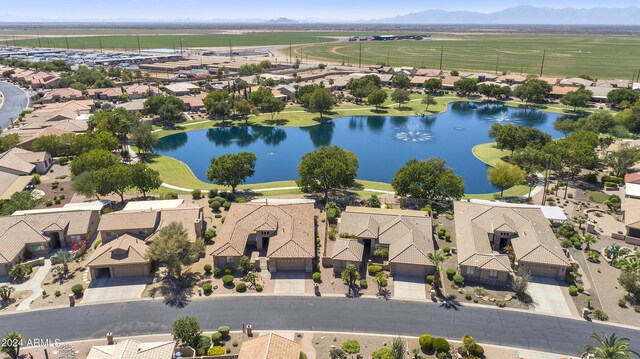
(544, 54)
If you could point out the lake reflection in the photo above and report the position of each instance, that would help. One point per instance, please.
(382, 144)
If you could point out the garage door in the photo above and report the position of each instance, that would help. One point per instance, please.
(129, 271)
(551, 272)
(290, 264)
(409, 270)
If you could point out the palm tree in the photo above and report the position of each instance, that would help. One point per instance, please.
(631, 264)
(350, 276)
(589, 239)
(398, 348)
(437, 258)
(614, 251)
(611, 347)
(580, 221)
(63, 258)
(381, 281)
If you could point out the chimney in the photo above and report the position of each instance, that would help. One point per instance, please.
(197, 223)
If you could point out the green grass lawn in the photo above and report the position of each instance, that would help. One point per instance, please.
(598, 196)
(566, 55)
(489, 153)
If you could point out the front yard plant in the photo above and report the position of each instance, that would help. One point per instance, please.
(351, 346)
(227, 280)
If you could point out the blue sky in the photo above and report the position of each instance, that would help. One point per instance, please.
(297, 9)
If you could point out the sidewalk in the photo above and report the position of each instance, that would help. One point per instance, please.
(34, 284)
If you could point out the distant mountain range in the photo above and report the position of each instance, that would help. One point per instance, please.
(524, 15)
(520, 15)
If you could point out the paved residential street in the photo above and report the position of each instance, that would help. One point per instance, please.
(15, 101)
(331, 314)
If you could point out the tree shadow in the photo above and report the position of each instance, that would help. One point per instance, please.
(404, 108)
(380, 111)
(450, 302)
(7, 303)
(276, 122)
(385, 293)
(177, 293)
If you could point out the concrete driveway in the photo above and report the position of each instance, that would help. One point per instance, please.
(289, 282)
(547, 296)
(105, 290)
(409, 287)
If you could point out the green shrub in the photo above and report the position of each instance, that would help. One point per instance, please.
(196, 194)
(467, 296)
(204, 343)
(209, 234)
(224, 330)
(351, 346)
(259, 288)
(451, 272)
(234, 344)
(447, 237)
(57, 293)
(36, 179)
(441, 345)
(212, 193)
(77, 290)
(207, 288)
(446, 249)
(476, 350)
(637, 308)
(222, 219)
(218, 215)
(208, 268)
(426, 342)
(216, 337)
(622, 303)
(223, 194)
(216, 351)
(228, 270)
(382, 353)
(601, 315)
(226, 205)
(317, 277)
(97, 243)
(215, 206)
(219, 199)
(429, 279)
(458, 279)
(373, 270)
(573, 291)
(241, 287)
(242, 200)
(580, 289)
(217, 272)
(363, 284)
(501, 303)
(227, 279)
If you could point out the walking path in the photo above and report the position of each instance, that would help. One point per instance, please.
(34, 284)
(177, 188)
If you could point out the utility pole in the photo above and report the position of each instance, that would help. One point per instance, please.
(230, 51)
(67, 40)
(544, 54)
(15, 44)
(39, 43)
(181, 47)
(360, 56)
(388, 63)
(100, 42)
(497, 62)
(83, 47)
(290, 52)
(633, 77)
(441, 56)
(125, 45)
(139, 48)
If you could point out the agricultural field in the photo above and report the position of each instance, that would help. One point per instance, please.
(161, 39)
(566, 55)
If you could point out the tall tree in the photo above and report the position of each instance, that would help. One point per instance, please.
(577, 98)
(432, 85)
(377, 97)
(118, 122)
(85, 184)
(466, 86)
(436, 258)
(327, 168)
(232, 169)
(143, 138)
(622, 97)
(401, 81)
(622, 159)
(505, 175)
(533, 91)
(321, 100)
(400, 96)
(92, 161)
(187, 331)
(172, 249)
(115, 179)
(429, 100)
(429, 179)
(565, 126)
(143, 178)
(350, 276)
(609, 347)
(11, 343)
(272, 106)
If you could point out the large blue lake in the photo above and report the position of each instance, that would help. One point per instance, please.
(382, 144)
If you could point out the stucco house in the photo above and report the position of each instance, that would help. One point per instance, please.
(483, 231)
(37, 234)
(269, 346)
(121, 257)
(283, 234)
(406, 234)
(133, 349)
(146, 224)
(23, 162)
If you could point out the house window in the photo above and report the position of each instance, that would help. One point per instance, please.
(37, 248)
(471, 270)
(142, 232)
(229, 260)
(493, 273)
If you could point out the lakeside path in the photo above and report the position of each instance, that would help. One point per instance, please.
(491, 325)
